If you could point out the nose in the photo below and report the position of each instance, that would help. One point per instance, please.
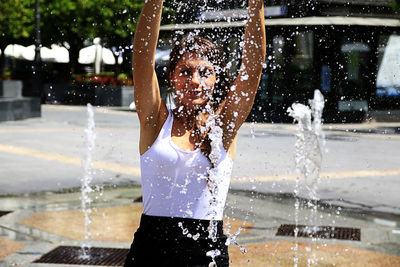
(195, 78)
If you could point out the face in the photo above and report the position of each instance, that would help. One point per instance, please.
(194, 80)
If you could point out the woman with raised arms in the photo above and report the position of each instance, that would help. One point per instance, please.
(187, 153)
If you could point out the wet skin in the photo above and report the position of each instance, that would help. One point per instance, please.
(194, 80)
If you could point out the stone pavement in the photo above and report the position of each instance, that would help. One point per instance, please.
(49, 215)
(360, 166)
(44, 221)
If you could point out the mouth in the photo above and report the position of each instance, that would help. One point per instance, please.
(194, 93)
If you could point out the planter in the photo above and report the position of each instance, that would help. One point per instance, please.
(120, 96)
(127, 95)
(19, 108)
(83, 93)
(11, 89)
(15, 107)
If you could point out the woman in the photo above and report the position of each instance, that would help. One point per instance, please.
(187, 153)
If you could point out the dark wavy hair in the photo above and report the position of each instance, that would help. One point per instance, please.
(209, 51)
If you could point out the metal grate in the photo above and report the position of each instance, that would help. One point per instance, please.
(326, 232)
(4, 212)
(73, 255)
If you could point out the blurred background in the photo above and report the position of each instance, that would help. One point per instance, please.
(78, 52)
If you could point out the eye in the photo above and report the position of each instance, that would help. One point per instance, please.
(206, 72)
(184, 72)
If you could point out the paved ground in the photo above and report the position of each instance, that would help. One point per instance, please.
(42, 222)
(41, 161)
(359, 169)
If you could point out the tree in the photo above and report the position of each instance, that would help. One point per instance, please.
(115, 22)
(71, 22)
(68, 23)
(395, 5)
(16, 25)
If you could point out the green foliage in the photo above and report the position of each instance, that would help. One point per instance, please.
(169, 11)
(16, 25)
(115, 21)
(395, 5)
(68, 21)
(71, 22)
(16, 20)
(74, 21)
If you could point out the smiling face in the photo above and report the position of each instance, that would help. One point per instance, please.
(194, 80)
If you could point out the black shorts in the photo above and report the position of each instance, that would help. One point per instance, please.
(160, 241)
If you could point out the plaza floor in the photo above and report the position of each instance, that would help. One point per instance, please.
(41, 222)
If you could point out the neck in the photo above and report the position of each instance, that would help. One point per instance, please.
(190, 119)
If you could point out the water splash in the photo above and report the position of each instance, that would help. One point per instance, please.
(215, 131)
(213, 254)
(232, 238)
(215, 135)
(186, 232)
(308, 156)
(86, 187)
(317, 106)
(309, 141)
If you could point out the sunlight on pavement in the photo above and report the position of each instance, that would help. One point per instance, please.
(112, 224)
(135, 171)
(77, 161)
(8, 247)
(281, 253)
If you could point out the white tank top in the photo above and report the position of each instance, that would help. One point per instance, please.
(174, 182)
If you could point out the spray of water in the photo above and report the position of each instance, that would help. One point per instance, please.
(308, 155)
(86, 180)
(309, 141)
(215, 131)
(317, 106)
(215, 135)
(232, 237)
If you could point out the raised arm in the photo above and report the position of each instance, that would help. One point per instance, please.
(147, 93)
(241, 97)
(149, 106)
